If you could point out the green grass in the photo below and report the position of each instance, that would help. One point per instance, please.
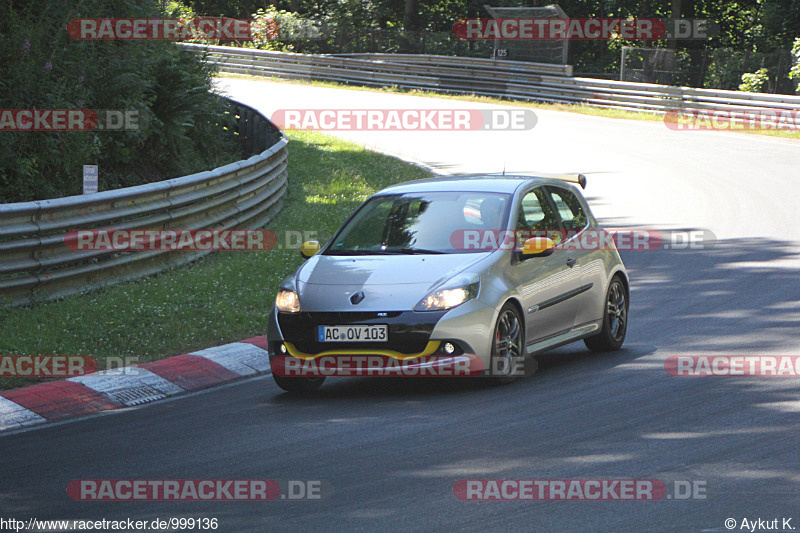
(582, 109)
(221, 298)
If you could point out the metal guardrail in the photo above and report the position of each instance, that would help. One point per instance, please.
(488, 77)
(493, 65)
(35, 263)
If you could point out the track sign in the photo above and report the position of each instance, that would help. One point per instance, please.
(89, 179)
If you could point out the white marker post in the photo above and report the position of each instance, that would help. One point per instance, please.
(89, 179)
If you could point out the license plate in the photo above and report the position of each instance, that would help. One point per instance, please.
(353, 333)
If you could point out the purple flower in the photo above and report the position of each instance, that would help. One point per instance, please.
(79, 103)
(26, 46)
(80, 79)
(48, 66)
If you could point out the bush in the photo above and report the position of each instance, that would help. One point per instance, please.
(753, 82)
(42, 67)
(276, 29)
(794, 74)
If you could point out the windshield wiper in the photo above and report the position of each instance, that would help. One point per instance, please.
(395, 251)
(414, 251)
(359, 252)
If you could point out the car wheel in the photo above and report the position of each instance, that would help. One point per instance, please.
(508, 345)
(298, 385)
(615, 320)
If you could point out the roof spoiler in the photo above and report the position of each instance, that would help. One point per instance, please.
(580, 179)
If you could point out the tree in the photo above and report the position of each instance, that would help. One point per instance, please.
(411, 15)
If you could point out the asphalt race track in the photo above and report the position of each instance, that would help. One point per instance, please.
(388, 452)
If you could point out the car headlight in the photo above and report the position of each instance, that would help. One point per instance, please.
(451, 296)
(287, 301)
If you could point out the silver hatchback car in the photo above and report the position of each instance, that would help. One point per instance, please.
(439, 271)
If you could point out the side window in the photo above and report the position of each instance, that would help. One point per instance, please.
(569, 208)
(535, 215)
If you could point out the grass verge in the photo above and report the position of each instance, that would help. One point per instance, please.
(221, 298)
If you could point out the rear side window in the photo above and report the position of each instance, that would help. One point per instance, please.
(535, 213)
(569, 208)
(536, 217)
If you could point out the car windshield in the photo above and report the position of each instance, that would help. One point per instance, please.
(420, 223)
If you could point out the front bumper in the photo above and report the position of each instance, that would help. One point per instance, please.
(412, 334)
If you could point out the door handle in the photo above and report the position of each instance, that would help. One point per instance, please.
(571, 262)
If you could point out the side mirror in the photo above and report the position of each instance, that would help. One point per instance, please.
(309, 248)
(537, 247)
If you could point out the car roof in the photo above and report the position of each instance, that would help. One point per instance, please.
(471, 183)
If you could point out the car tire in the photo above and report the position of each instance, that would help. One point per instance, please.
(615, 320)
(508, 344)
(299, 385)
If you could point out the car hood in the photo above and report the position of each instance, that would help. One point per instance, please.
(389, 282)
